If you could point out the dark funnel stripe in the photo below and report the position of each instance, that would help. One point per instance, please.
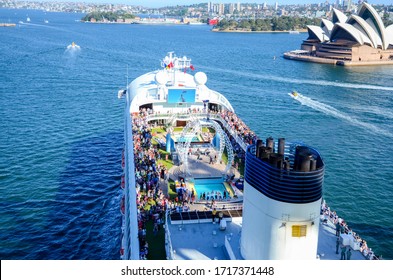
(281, 185)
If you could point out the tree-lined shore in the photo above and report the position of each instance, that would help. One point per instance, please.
(283, 23)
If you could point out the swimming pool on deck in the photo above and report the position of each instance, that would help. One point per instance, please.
(188, 138)
(209, 185)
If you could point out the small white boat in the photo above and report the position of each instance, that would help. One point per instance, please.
(73, 46)
(46, 21)
(121, 93)
(28, 19)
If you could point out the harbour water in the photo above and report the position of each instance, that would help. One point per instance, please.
(61, 128)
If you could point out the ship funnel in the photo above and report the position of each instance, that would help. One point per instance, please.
(313, 164)
(259, 144)
(264, 153)
(276, 160)
(281, 146)
(303, 158)
(270, 143)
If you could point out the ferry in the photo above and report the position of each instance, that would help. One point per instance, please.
(195, 173)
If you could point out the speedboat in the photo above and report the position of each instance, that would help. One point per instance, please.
(294, 94)
(73, 46)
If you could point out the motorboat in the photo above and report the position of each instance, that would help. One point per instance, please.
(73, 46)
(294, 94)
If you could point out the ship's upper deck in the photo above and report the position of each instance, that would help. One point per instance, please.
(173, 89)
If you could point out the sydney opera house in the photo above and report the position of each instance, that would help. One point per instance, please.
(358, 39)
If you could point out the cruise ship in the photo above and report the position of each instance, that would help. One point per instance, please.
(195, 171)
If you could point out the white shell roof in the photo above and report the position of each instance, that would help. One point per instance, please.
(368, 30)
(379, 27)
(327, 26)
(365, 28)
(338, 16)
(352, 31)
(389, 34)
(318, 32)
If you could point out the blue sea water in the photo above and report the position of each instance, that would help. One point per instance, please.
(61, 125)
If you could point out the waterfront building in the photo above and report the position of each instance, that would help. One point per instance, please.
(360, 39)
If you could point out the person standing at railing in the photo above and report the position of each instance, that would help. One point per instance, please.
(349, 254)
(214, 213)
(343, 250)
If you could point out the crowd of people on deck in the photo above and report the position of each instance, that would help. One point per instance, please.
(184, 195)
(151, 202)
(214, 195)
(237, 125)
(233, 121)
(343, 228)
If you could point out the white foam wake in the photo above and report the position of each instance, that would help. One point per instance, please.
(301, 81)
(331, 111)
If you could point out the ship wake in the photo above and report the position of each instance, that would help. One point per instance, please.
(331, 111)
(301, 81)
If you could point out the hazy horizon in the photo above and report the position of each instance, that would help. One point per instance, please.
(160, 3)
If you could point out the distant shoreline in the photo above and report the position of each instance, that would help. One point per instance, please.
(250, 31)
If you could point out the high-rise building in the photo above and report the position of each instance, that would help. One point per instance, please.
(231, 8)
(221, 9)
(349, 6)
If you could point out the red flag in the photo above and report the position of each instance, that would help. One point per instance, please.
(192, 67)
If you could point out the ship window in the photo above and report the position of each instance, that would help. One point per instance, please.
(299, 231)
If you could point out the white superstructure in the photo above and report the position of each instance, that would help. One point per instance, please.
(278, 215)
(267, 229)
(158, 89)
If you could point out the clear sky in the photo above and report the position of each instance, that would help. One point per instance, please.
(162, 3)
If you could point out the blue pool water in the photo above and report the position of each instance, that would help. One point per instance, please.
(208, 185)
(183, 139)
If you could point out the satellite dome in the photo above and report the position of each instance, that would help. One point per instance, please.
(200, 78)
(161, 78)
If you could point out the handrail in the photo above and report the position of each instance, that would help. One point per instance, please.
(216, 116)
(168, 239)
